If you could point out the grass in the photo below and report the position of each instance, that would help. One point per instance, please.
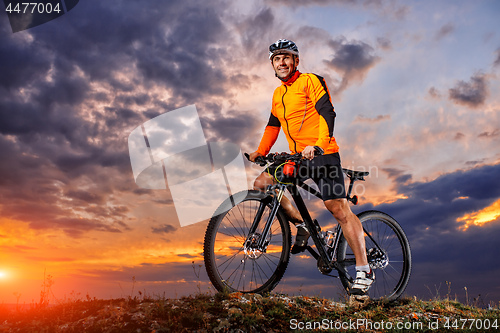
(236, 312)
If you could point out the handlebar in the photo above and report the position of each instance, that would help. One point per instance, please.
(282, 157)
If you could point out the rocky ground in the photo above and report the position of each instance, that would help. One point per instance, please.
(249, 313)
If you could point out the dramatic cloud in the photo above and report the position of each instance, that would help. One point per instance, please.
(384, 43)
(163, 229)
(377, 119)
(352, 60)
(236, 126)
(493, 134)
(434, 93)
(473, 93)
(444, 31)
(255, 33)
(432, 217)
(71, 92)
(398, 176)
(386, 8)
(496, 63)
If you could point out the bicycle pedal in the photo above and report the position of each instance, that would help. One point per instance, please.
(298, 249)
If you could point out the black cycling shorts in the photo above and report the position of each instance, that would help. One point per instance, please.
(325, 171)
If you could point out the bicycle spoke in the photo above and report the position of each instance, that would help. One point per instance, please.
(242, 274)
(386, 247)
(243, 230)
(272, 255)
(254, 275)
(242, 234)
(234, 271)
(229, 260)
(240, 240)
(233, 248)
(261, 270)
(387, 273)
(267, 261)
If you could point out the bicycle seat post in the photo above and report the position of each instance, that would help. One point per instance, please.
(351, 184)
(353, 176)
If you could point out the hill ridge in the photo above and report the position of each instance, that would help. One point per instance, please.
(236, 312)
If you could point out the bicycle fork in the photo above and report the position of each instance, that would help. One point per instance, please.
(259, 241)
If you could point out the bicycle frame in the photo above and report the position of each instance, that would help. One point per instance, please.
(247, 247)
(326, 255)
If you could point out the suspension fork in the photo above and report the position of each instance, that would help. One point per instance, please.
(275, 204)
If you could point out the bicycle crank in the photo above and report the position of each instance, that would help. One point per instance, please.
(323, 267)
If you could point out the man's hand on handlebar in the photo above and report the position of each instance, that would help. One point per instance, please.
(310, 151)
(254, 155)
(256, 158)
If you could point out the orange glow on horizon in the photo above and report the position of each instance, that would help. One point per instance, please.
(75, 264)
(479, 218)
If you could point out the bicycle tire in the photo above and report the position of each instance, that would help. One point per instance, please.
(228, 265)
(392, 268)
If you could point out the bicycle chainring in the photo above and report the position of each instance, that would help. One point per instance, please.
(322, 267)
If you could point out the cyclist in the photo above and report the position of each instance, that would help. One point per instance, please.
(301, 105)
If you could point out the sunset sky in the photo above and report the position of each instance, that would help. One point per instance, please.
(415, 86)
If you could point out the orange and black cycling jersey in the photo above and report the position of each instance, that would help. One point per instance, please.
(302, 106)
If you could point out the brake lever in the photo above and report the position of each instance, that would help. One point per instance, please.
(318, 151)
(259, 160)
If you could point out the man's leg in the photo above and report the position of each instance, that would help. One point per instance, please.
(291, 212)
(262, 182)
(354, 234)
(351, 228)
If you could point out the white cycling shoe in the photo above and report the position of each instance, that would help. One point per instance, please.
(362, 282)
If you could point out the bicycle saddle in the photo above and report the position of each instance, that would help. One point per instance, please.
(356, 175)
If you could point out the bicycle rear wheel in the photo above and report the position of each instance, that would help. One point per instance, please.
(388, 252)
(232, 262)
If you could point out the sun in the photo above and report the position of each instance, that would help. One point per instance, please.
(3, 275)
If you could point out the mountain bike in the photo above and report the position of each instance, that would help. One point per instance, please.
(247, 242)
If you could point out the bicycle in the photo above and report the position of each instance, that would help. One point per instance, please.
(247, 242)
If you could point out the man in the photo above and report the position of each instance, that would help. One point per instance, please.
(302, 107)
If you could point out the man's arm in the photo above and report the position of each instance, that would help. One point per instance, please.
(318, 92)
(268, 139)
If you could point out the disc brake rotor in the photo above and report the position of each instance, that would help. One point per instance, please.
(377, 258)
(251, 246)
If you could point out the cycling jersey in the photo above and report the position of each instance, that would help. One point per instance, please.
(302, 106)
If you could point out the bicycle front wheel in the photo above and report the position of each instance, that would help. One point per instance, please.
(233, 261)
(388, 252)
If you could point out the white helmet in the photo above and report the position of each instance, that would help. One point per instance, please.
(283, 46)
